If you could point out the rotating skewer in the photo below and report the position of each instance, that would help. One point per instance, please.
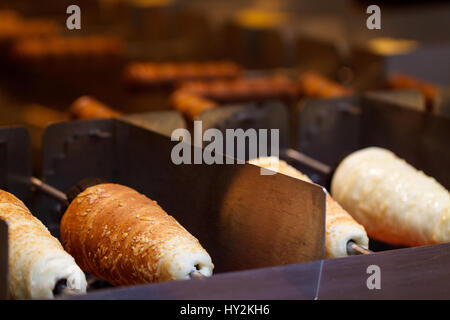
(48, 189)
(61, 289)
(354, 249)
(196, 275)
(308, 161)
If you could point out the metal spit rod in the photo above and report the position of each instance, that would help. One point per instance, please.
(48, 189)
(354, 249)
(310, 162)
(62, 197)
(196, 275)
(61, 289)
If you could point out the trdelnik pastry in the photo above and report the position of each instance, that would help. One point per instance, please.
(37, 261)
(120, 235)
(395, 202)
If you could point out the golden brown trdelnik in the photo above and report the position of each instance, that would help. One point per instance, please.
(85, 108)
(122, 236)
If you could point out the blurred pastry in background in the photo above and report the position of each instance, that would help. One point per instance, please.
(189, 104)
(314, 85)
(152, 74)
(85, 108)
(400, 81)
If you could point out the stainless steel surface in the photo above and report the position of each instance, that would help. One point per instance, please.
(308, 161)
(403, 98)
(421, 139)
(163, 122)
(328, 129)
(4, 284)
(55, 193)
(354, 249)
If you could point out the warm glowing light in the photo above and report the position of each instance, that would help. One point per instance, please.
(258, 19)
(391, 46)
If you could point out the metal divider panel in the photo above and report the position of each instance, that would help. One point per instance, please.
(4, 264)
(269, 115)
(403, 98)
(244, 219)
(73, 151)
(15, 162)
(329, 129)
(76, 150)
(420, 138)
(257, 48)
(163, 122)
